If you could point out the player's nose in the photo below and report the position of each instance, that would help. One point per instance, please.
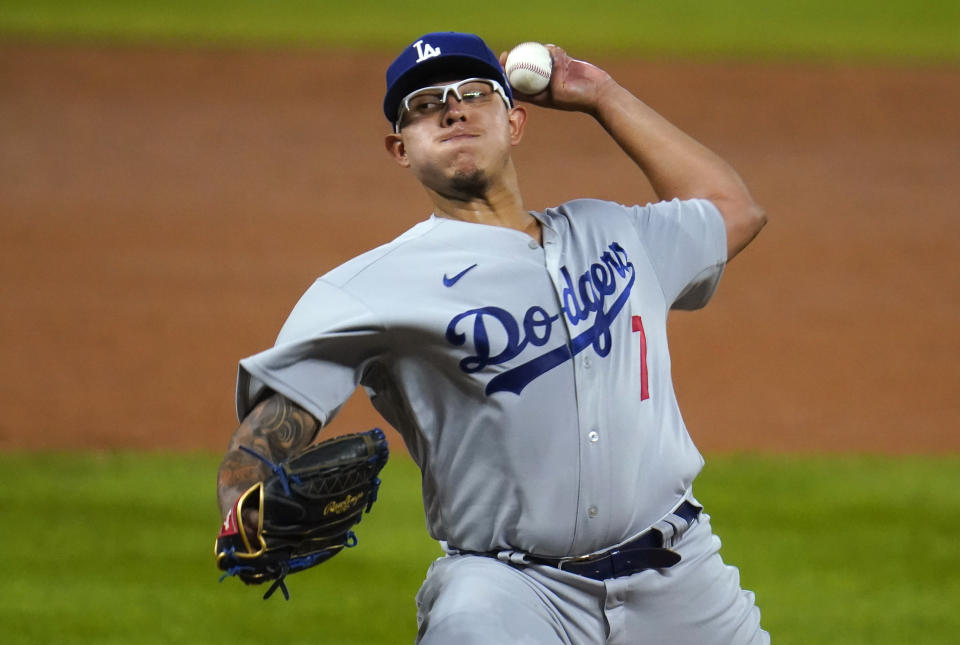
(454, 110)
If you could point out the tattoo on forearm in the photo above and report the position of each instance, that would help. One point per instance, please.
(281, 428)
(276, 428)
(284, 426)
(237, 473)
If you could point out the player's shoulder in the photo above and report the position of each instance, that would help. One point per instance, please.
(584, 207)
(596, 211)
(591, 206)
(586, 214)
(383, 258)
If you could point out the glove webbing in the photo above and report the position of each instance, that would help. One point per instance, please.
(295, 564)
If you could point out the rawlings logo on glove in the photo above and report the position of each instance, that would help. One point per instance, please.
(341, 507)
(306, 510)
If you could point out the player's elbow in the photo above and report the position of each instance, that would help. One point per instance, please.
(743, 223)
(755, 218)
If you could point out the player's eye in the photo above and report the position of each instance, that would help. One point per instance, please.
(476, 92)
(425, 103)
(430, 101)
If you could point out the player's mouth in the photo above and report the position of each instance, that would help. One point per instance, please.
(459, 135)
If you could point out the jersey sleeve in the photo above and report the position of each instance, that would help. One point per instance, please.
(686, 242)
(319, 356)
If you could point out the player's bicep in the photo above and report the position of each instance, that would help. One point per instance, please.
(319, 357)
(686, 244)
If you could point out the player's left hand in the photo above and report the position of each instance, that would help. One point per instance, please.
(575, 85)
(303, 514)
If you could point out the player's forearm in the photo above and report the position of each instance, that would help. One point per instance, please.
(276, 429)
(238, 472)
(677, 165)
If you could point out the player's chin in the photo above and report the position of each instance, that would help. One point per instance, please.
(472, 182)
(465, 161)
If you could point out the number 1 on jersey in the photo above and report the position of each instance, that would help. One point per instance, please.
(644, 383)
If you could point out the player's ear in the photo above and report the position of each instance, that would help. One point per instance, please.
(394, 145)
(518, 121)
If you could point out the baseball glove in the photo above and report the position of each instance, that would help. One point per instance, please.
(307, 509)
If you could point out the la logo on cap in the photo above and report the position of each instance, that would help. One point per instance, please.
(425, 51)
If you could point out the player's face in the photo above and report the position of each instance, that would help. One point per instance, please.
(430, 102)
(456, 137)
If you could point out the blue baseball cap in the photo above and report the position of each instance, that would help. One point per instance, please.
(445, 53)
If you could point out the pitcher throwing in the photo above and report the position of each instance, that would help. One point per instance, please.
(522, 355)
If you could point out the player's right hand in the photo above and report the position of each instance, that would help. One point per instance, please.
(575, 85)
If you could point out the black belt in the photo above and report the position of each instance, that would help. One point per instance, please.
(645, 552)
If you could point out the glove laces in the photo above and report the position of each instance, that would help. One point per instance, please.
(276, 468)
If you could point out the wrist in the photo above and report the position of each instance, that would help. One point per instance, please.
(610, 97)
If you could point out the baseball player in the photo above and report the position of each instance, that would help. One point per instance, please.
(523, 358)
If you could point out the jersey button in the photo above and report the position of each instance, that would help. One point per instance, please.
(594, 436)
(593, 511)
(533, 245)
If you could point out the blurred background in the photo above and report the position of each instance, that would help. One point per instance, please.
(174, 175)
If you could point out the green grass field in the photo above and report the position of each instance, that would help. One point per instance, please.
(817, 29)
(118, 548)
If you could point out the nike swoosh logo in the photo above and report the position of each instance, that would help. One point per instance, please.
(449, 282)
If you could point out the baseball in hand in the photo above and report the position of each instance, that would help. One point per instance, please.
(528, 68)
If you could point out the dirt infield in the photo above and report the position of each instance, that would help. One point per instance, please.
(161, 211)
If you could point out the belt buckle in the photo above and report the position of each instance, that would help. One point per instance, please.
(585, 559)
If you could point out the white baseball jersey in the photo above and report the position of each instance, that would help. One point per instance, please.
(530, 383)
